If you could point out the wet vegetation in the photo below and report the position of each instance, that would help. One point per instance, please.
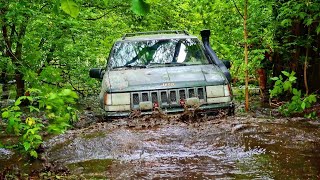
(51, 126)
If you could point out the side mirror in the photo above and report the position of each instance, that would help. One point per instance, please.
(96, 73)
(227, 63)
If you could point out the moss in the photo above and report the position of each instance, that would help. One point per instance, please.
(93, 135)
(95, 168)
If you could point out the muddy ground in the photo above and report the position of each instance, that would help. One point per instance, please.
(258, 145)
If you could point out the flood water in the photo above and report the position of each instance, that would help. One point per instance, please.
(232, 148)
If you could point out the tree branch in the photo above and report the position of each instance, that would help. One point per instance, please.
(5, 36)
(44, 6)
(7, 42)
(13, 30)
(92, 6)
(93, 19)
(237, 9)
(21, 34)
(107, 12)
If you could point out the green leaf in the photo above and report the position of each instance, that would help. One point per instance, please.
(32, 108)
(295, 91)
(11, 121)
(308, 22)
(311, 98)
(287, 85)
(303, 105)
(318, 29)
(295, 98)
(286, 22)
(302, 15)
(26, 146)
(278, 82)
(292, 78)
(69, 92)
(15, 108)
(70, 8)
(5, 114)
(34, 154)
(37, 137)
(29, 98)
(18, 101)
(140, 7)
(74, 117)
(285, 73)
(274, 78)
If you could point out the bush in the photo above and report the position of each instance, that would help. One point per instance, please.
(298, 103)
(56, 109)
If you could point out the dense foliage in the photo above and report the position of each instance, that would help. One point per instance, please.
(50, 112)
(68, 37)
(298, 102)
(296, 41)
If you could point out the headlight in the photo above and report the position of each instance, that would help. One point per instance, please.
(107, 99)
(117, 99)
(117, 102)
(227, 90)
(215, 91)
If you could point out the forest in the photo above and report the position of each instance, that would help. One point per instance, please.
(48, 47)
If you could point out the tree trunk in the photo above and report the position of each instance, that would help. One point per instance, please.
(18, 57)
(9, 40)
(5, 89)
(262, 84)
(19, 84)
(246, 55)
(305, 78)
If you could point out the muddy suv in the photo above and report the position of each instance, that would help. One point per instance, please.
(167, 70)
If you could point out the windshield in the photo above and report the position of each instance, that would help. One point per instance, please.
(159, 52)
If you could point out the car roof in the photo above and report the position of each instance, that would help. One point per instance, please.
(156, 35)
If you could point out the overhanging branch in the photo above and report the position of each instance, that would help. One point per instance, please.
(93, 19)
(107, 12)
(237, 9)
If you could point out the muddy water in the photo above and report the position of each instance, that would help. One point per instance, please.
(238, 147)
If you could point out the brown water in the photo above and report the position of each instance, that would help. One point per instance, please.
(233, 148)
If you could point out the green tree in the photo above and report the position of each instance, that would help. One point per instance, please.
(297, 41)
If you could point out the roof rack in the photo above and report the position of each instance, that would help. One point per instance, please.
(155, 32)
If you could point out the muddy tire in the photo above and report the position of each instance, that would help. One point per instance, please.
(231, 111)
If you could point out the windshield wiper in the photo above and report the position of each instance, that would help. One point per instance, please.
(176, 64)
(167, 64)
(130, 66)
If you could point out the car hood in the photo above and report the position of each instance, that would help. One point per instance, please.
(123, 80)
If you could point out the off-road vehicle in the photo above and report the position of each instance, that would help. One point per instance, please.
(167, 70)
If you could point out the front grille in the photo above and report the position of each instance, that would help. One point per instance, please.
(182, 94)
(145, 97)
(135, 99)
(173, 96)
(201, 93)
(164, 97)
(167, 98)
(154, 97)
(191, 93)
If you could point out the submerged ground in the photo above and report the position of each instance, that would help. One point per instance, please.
(160, 147)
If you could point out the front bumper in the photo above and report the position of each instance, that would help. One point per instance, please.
(207, 108)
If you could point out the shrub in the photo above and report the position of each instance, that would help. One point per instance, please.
(298, 103)
(56, 111)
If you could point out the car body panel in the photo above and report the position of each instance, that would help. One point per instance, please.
(162, 78)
